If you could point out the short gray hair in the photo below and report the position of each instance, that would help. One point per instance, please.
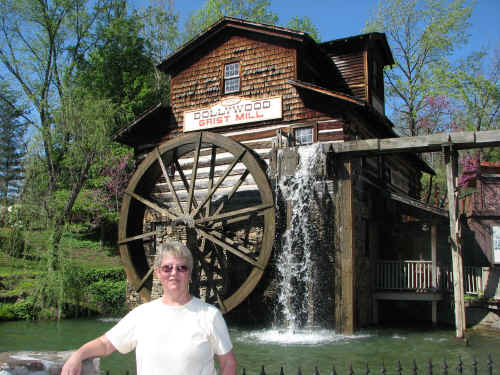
(174, 249)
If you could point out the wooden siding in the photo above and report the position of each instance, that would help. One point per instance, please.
(352, 69)
(264, 67)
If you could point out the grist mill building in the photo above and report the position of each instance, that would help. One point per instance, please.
(244, 98)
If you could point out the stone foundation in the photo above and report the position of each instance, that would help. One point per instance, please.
(42, 363)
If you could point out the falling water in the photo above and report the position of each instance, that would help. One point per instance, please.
(295, 262)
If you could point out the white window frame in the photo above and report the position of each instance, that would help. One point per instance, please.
(495, 244)
(299, 138)
(232, 82)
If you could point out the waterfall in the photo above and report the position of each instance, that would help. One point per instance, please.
(295, 263)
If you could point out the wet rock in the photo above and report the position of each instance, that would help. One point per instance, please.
(41, 363)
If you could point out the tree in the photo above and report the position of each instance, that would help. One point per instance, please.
(160, 28)
(213, 10)
(122, 64)
(475, 85)
(119, 69)
(422, 35)
(12, 130)
(41, 43)
(304, 24)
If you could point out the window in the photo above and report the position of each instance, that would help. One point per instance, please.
(496, 245)
(304, 136)
(231, 78)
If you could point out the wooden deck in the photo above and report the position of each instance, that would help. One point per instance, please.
(417, 280)
(417, 276)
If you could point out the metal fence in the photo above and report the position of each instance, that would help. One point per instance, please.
(429, 368)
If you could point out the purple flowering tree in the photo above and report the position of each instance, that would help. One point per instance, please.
(116, 172)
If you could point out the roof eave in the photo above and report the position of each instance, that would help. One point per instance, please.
(234, 23)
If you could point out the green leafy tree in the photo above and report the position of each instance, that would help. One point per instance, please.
(12, 130)
(122, 64)
(422, 34)
(474, 84)
(119, 69)
(160, 28)
(87, 121)
(213, 10)
(304, 24)
(41, 43)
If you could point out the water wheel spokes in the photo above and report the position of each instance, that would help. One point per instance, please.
(213, 194)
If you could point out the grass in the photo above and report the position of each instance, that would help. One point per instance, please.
(17, 275)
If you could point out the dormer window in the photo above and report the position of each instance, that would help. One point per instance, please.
(232, 78)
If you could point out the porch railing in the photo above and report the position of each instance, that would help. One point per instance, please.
(416, 275)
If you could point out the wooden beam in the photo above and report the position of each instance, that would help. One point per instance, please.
(425, 143)
(346, 300)
(434, 281)
(451, 161)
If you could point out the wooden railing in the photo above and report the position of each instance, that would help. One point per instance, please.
(473, 279)
(404, 275)
(417, 275)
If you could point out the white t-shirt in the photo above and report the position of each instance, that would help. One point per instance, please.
(173, 340)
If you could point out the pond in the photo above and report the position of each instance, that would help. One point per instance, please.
(275, 348)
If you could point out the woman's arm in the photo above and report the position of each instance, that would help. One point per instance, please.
(227, 363)
(100, 347)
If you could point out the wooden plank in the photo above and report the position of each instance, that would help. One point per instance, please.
(254, 136)
(426, 143)
(462, 139)
(337, 125)
(451, 161)
(326, 137)
(364, 145)
(413, 143)
(485, 137)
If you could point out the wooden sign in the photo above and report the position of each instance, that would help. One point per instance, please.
(231, 111)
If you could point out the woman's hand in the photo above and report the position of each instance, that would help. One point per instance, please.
(100, 347)
(227, 363)
(73, 365)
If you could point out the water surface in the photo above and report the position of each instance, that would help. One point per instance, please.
(280, 348)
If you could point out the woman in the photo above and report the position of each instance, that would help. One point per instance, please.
(177, 334)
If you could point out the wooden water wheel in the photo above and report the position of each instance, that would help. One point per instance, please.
(213, 194)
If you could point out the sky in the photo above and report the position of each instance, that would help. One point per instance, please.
(342, 18)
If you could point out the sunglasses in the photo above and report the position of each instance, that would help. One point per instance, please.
(170, 267)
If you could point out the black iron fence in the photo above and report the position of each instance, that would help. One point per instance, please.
(429, 368)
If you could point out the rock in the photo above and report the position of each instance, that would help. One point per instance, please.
(41, 363)
(490, 321)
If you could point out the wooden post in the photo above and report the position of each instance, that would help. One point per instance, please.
(451, 160)
(345, 306)
(434, 281)
(434, 255)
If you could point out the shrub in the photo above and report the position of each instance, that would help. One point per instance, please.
(14, 242)
(112, 274)
(7, 311)
(109, 295)
(25, 309)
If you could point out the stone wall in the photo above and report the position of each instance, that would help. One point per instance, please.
(42, 363)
